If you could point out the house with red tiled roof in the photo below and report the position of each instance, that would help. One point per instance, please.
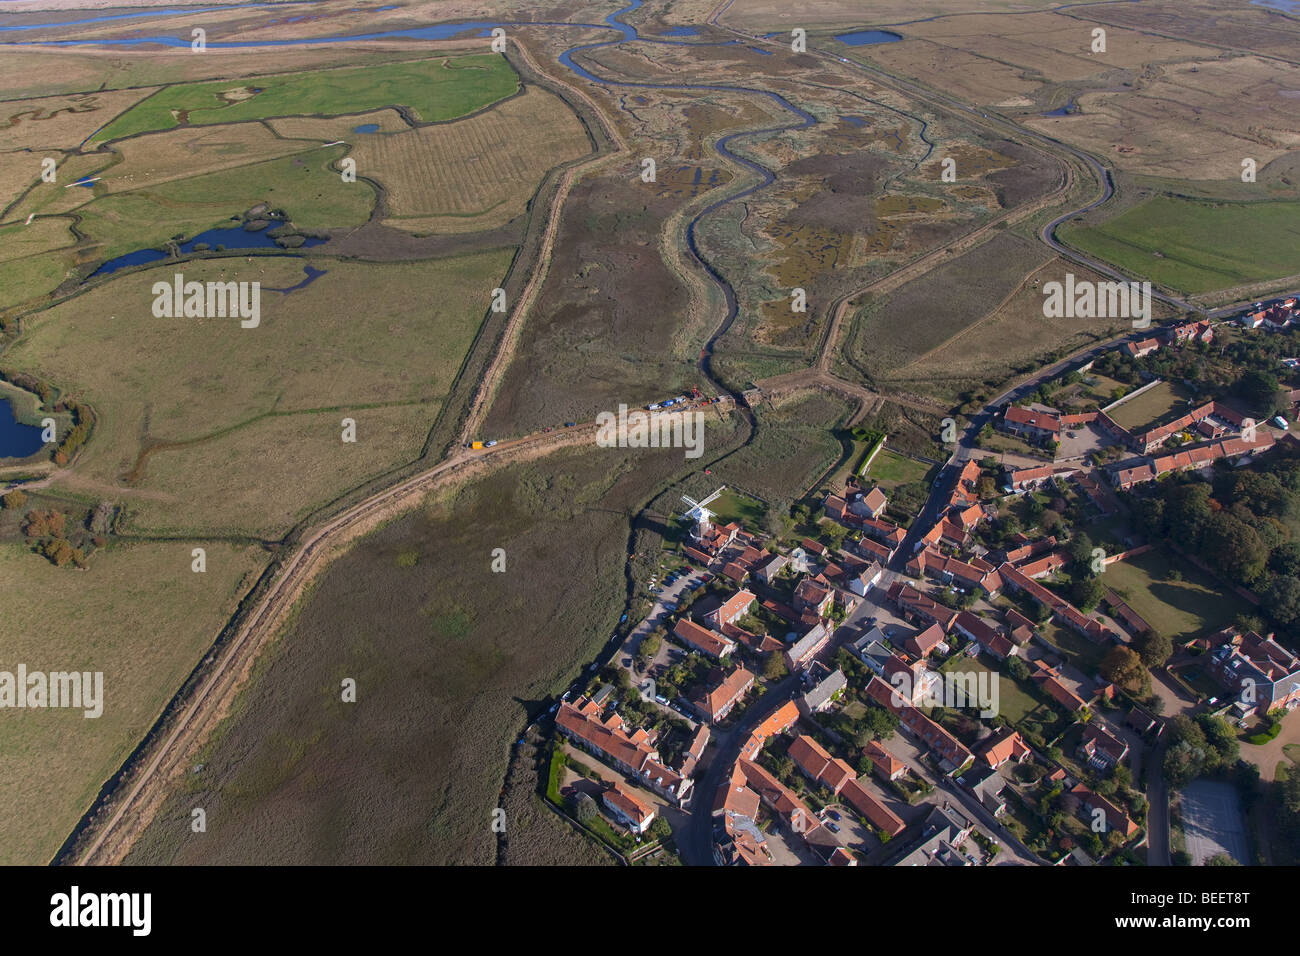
(812, 594)
(634, 754)
(915, 606)
(721, 693)
(885, 764)
(1030, 423)
(735, 571)
(950, 751)
(818, 765)
(869, 505)
(923, 643)
(731, 610)
(701, 639)
(937, 565)
(1031, 550)
(1185, 332)
(762, 643)
(993, 640)
(1097, 809)
(1043, 565)
(856, 795)
(1247, 659)
(1101, 748)
(886, 532)
(1050, 678)
(1062, 610)
(1002, 747)
(628, 809)
(1143, 348)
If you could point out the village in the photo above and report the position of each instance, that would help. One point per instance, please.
(963, 691)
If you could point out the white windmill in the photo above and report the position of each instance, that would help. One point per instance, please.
(699, 513)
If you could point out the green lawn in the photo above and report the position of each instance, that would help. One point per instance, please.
(733, 506)
(890, 469)
(1166, 400)
(1196, 246)
(435, 89)
(1192, 607)
(1077, 649)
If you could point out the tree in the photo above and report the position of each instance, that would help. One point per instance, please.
(660, 829)
(1155, 649)
(1282, 599)
(880, 723)
(1017, 668)
(773, 666)
(1260, 390)
(1086, 592)
(1123, 667)
(1221, 859)
(1081, 553)
(584, 808)
(14, 500)
(1234, 546)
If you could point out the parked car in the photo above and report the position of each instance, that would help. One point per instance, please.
(490, 444)
(833, 828)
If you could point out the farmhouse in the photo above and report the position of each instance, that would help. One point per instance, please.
(1027, 423)
(1240, 660)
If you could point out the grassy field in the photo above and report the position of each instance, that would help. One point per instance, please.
(351, 338)
(1154, 405)
(305, 186)
(435, 89)
(891, 333)
(890, 469)
(231, 484)
(476, 173)
(1197, 247)
(139, 615)
(1195, 606)
(448, 659)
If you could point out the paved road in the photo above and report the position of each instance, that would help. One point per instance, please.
(697, 844)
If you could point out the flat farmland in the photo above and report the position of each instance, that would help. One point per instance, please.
(1013, 336)
(1196, 247)
(39, 72)
(1195, 120)
(965, 75)
(184, 153)
(262, 478)
(305, 186)
(328, 129)
(349, 338)
(140, 616)
(435, 89)
(757, 14)
(62, 122)
(1054, 47)
(888, 335)
(446, 674)
(475, 173)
